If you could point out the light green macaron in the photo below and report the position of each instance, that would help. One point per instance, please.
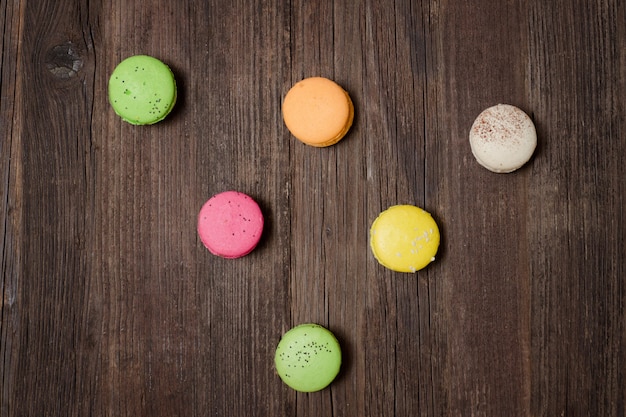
(142, 90)
(308, 357)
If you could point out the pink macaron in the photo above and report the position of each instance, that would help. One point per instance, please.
(230, 224)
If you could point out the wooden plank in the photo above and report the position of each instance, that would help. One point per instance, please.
(328, 255)
(484, 295)
(54, 180)
(576, 223)
(325, 206)
(10, 203)
(393, 116)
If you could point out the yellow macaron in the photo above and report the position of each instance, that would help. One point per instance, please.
(404, 238)
(318, 112)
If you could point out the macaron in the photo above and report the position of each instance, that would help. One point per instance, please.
(142, 90)
(318, 112)
(230, 224)
(503, 138)
(308, 357)
(404, 238)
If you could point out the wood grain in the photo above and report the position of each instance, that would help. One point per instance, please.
(485, 270)
(577, 237)
(112, 307)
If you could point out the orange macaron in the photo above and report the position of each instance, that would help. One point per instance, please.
(318, 112)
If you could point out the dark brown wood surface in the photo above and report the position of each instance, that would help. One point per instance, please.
(111, 306)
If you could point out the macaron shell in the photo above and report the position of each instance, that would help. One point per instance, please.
(308, 357)
(318, 112)
(230, 224)
(503, 138)
(404, 238)
(142, 90)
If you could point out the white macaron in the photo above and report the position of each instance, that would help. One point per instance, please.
(503, 138)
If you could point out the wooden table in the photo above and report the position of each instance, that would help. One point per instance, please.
(111, 306)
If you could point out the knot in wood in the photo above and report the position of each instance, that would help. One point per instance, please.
(64, 60)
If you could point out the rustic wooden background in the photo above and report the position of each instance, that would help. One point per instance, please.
(111, 306)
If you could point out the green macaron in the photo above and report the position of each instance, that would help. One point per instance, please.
(142, 90)
(308, 357)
